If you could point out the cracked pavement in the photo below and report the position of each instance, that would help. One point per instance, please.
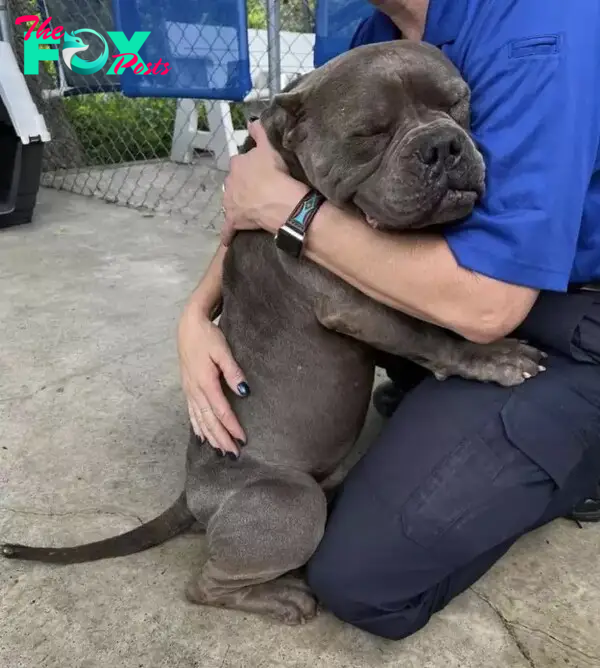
(92, 441)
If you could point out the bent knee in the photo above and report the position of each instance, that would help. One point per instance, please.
(356, 596)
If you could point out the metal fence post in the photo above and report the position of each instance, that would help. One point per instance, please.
(273, 46)
(5, 25)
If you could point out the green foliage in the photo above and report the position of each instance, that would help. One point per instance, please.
(257, 14)
(113, 128)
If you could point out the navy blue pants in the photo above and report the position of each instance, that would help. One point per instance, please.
(459, 473)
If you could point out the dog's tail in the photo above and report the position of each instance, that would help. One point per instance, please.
(169, 524)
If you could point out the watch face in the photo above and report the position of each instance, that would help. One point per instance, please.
(288, 242)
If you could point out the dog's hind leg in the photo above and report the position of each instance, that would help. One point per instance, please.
(260, 533)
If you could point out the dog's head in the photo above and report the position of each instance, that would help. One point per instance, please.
(383, 128)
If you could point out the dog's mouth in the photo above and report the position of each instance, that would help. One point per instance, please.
(458, 199)
(453, 206)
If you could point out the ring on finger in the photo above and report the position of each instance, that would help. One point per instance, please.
(194, 419)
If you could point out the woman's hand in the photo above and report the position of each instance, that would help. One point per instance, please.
(205, 356)
(258, 191)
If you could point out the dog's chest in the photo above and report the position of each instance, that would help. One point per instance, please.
(258, 276)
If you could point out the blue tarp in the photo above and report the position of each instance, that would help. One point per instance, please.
(336, 21)
(205, 43)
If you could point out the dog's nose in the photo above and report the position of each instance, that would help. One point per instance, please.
(443, 152)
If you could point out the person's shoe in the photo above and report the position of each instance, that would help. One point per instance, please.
(386, 398)
(587, 510)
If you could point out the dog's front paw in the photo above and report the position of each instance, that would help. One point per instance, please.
(507, 362)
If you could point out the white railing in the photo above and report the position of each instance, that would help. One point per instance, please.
(221, 139)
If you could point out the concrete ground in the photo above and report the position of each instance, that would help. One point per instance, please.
(92, 439)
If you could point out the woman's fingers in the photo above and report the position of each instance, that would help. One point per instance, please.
(213, 419)
(235, 379)
(234, 376)
(216, 434)
(195, 421)
(222, 410)
(208, 427)
(227, 232)
(211, 414)
(257, 132)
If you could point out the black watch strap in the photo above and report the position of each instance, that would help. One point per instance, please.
(290, 236)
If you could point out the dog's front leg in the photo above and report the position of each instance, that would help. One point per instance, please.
(351, 313)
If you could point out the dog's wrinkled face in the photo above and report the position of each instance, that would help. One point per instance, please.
(385, 128)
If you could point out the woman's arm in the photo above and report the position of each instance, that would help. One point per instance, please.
(413, 273)
(206, 298)
(205, 358)
(417, 274)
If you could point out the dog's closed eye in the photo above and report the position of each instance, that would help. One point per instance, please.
(369, 132)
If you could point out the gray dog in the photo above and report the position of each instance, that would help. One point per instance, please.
(382, 129)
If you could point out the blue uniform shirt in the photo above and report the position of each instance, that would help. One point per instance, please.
(534, 71)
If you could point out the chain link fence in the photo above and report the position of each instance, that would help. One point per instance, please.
(155, 154)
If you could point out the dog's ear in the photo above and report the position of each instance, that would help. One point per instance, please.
(283, 119)
(288, 112)
(290, 102)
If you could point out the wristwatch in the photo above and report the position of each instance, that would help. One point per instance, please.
(290, 236)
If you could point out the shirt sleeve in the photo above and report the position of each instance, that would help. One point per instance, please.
(376, 27)
(535, 102)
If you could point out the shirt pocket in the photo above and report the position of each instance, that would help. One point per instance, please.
(543, 45)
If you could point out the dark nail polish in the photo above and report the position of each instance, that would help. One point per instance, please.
(243, 389)
(219, 453)
(241, 443)
(233, 456)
